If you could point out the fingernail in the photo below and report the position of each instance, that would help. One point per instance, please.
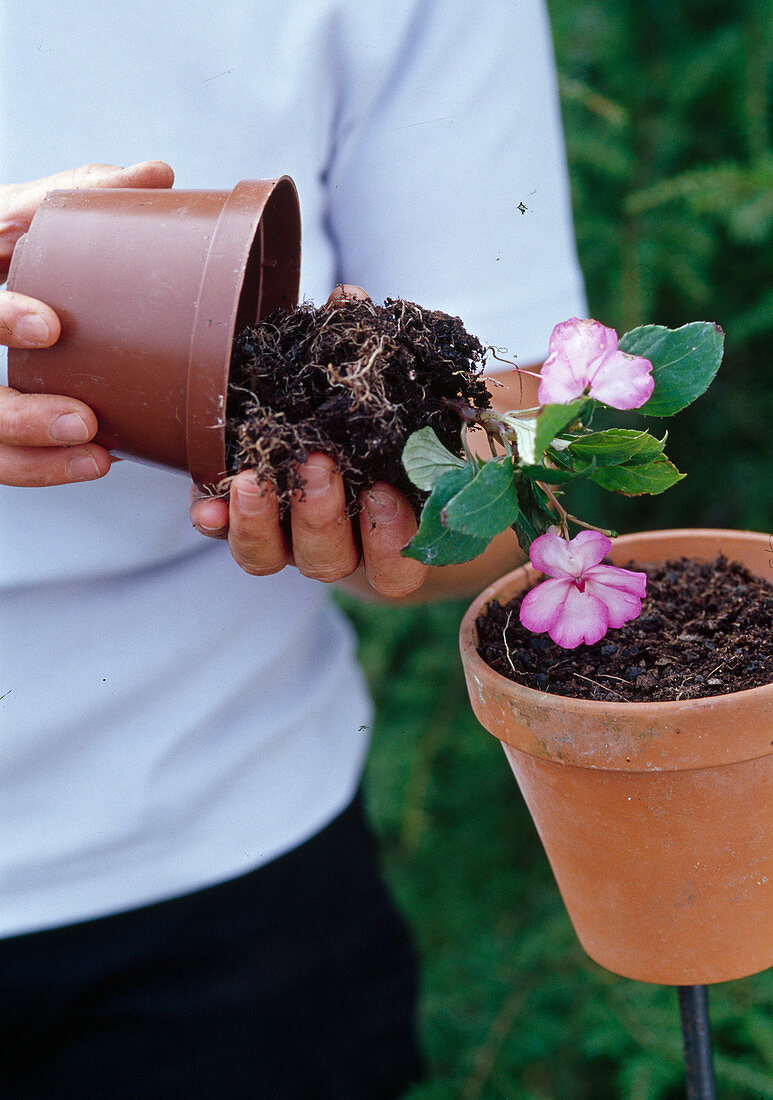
(249, 498)
(380, 506)
(69, 428)
(32, 329)
(83, 468)
(316, 479)
(205, 529)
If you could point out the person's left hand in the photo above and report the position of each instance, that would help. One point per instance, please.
(46, 439)
(325, 543)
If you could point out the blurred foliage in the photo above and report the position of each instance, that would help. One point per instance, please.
(511, 1006)
(667, 115)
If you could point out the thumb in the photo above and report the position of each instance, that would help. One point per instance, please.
(25, 322)
(19, 201)
(348, 292)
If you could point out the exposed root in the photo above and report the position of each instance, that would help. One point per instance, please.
(351, 380)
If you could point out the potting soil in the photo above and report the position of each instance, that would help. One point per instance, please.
(351, 380)
(705, 629)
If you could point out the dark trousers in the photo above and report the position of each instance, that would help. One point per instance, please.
(295, 981)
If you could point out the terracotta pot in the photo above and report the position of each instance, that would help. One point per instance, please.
(150, 287)
(657, 818)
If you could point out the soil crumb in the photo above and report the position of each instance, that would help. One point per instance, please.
(705, 629)
(351, 380)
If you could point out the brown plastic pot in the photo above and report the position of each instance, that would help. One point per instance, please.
(150, 287)
(657, 818)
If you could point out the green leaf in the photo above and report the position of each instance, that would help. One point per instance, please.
(486, 505)
(639, 477)
(616, 445)
(552, 420)
(525, 434)
(535, 516)
(684, 362)
(553, 477)
(425, 458)
(435, 544)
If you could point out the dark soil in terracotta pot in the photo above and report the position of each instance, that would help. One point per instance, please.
(705, 629)
(352, 380)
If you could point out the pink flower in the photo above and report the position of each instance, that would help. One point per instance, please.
(585, 598)
(583, 356)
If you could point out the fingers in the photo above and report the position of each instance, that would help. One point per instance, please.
(29, 467)
(44, 440)
(324, 546)
(255, 535)
(387, 523)
(19, 201)
(148, 173)
(26, 323)
(348, 290)
(209, 515)
(43, 420)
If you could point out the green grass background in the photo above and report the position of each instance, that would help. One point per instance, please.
(667, 117)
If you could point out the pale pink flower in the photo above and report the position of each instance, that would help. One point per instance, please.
(584, 598)
(583, 357)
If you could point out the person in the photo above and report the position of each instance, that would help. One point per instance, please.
(190, 900)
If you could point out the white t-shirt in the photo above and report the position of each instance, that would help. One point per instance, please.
(167, 721)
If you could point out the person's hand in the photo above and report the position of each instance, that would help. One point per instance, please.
(325, 543)
(44, 438)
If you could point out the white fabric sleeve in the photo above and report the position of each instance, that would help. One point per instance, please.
(449, 185)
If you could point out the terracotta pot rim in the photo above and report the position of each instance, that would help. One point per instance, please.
(468, 634)
(654, 816)
(641, 736)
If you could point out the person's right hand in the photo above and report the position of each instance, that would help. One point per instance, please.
(44, 438)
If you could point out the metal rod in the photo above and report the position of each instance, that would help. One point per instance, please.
(696, 1033)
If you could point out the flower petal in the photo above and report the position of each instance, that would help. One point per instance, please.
(583, 618)
(622, 381)
(569, 616)
(581, 342)
(621, 606)
(589, 548)
(558, 386)
(542, 606)
(621, 590)
(626, 579)
(552, 554)
(574, 352)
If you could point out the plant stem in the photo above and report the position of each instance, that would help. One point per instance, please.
(468, 453)
(591, 526)
(563, 515)
(566, 517)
